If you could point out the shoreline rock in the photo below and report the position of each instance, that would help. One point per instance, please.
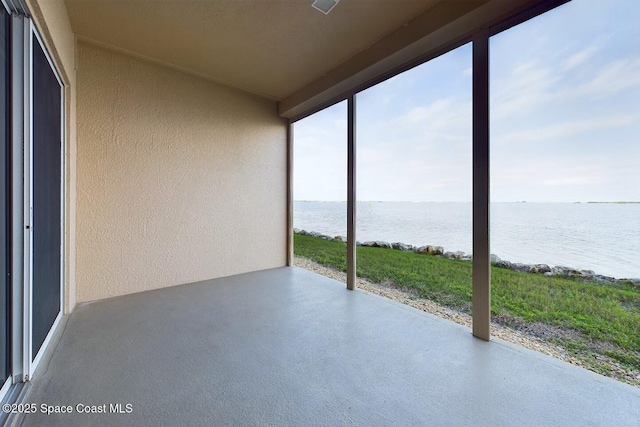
(542, 269)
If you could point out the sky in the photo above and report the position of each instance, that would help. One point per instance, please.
(564, 126)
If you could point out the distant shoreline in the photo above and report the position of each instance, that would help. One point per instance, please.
(614, 203)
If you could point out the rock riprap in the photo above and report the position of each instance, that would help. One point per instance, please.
(544, 269)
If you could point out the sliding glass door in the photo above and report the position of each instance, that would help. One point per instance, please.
(46, 176)
(31, 198)
(5, 299)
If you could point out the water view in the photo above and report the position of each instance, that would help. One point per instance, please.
(564, 97)
(603, 237)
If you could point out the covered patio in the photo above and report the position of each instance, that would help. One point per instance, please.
(288, 347)
(149, 275)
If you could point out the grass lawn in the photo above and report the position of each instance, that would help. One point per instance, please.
(590, 319)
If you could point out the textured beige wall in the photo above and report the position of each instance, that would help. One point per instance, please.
(179, 179)
(51, 19)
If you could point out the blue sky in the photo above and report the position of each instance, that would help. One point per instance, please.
(565, 119)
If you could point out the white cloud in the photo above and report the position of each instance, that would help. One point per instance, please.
(529, 85)
(565, 120)
(579, 58)
(567, 129)
(534, 85)
(432, 113)
(611, 79)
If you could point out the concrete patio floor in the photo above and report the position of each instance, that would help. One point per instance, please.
(289, 347)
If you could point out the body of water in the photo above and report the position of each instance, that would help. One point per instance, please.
(602, 237)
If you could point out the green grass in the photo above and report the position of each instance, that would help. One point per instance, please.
(605, 317)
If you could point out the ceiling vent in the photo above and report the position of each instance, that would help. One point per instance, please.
(325, 6)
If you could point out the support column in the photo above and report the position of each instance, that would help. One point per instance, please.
(351, 192)
(289, 194)
(481, 301)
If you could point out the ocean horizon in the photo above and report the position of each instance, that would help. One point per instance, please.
(599, 236)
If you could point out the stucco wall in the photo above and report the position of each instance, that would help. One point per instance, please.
(51, 19)
(179, 179)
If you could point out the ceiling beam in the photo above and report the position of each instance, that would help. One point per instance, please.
(446, 24)
(372, 60)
